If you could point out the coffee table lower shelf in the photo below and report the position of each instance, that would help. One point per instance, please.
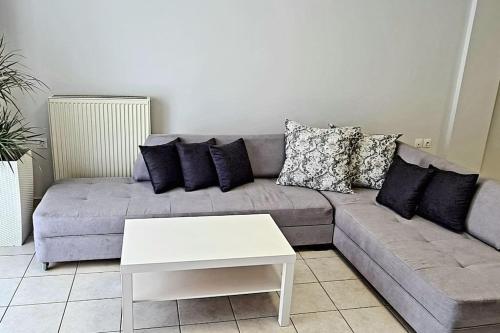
(207, 282)
(200, 283)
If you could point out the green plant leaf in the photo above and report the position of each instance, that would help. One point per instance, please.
(14, 77)
(15, 133)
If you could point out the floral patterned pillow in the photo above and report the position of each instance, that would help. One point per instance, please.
(371, 158)
(317, 158)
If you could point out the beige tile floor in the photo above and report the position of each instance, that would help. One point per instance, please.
(329, 296)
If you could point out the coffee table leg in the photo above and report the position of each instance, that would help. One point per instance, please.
(127, 305)
(286, 294)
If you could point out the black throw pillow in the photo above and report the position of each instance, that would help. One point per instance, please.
(447, 198)
(403, 186)
(197, 166)
(232, 164)
(164, 167)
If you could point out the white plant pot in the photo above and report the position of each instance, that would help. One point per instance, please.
(16, 201)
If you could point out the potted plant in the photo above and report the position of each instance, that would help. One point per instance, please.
(16, 168)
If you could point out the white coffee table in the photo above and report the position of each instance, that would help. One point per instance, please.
(196, 257)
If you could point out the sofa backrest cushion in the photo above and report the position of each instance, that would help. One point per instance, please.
(483, 221)
(265, 151)
(421, 158)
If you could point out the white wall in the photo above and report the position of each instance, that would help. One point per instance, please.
(234, 66)
(491, 161)
(479, 89)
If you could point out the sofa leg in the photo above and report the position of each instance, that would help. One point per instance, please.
(45, 266)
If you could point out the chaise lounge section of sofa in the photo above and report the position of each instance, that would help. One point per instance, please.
(437, 280)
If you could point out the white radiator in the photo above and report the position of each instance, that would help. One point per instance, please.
(97, 136)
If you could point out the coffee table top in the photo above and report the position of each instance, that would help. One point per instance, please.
(203, 242)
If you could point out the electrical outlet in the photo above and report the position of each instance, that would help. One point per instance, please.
(428, 143)
(419, 142)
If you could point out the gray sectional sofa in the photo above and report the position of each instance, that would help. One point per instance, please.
(438, 280)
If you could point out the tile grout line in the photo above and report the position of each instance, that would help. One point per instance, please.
(340, 280)
(61, 274)
(178, 314)
(219, 321)
(319, 311)
(361, 307)
(48, 275)
(361, 278)
(168, 326)
(60, 302)
(16, 255)
(15, 291)
(171, 326)
(234, 315)
(32, 304)
(319, 282)
(315, 258)
(201, 323)
(29, 239)
(328, 295)
(93, 299)
(293, 324)
(67, 299)
(121, 314)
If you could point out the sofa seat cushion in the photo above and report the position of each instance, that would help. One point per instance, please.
(360, 195)
(100, 205)
(454, 276)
